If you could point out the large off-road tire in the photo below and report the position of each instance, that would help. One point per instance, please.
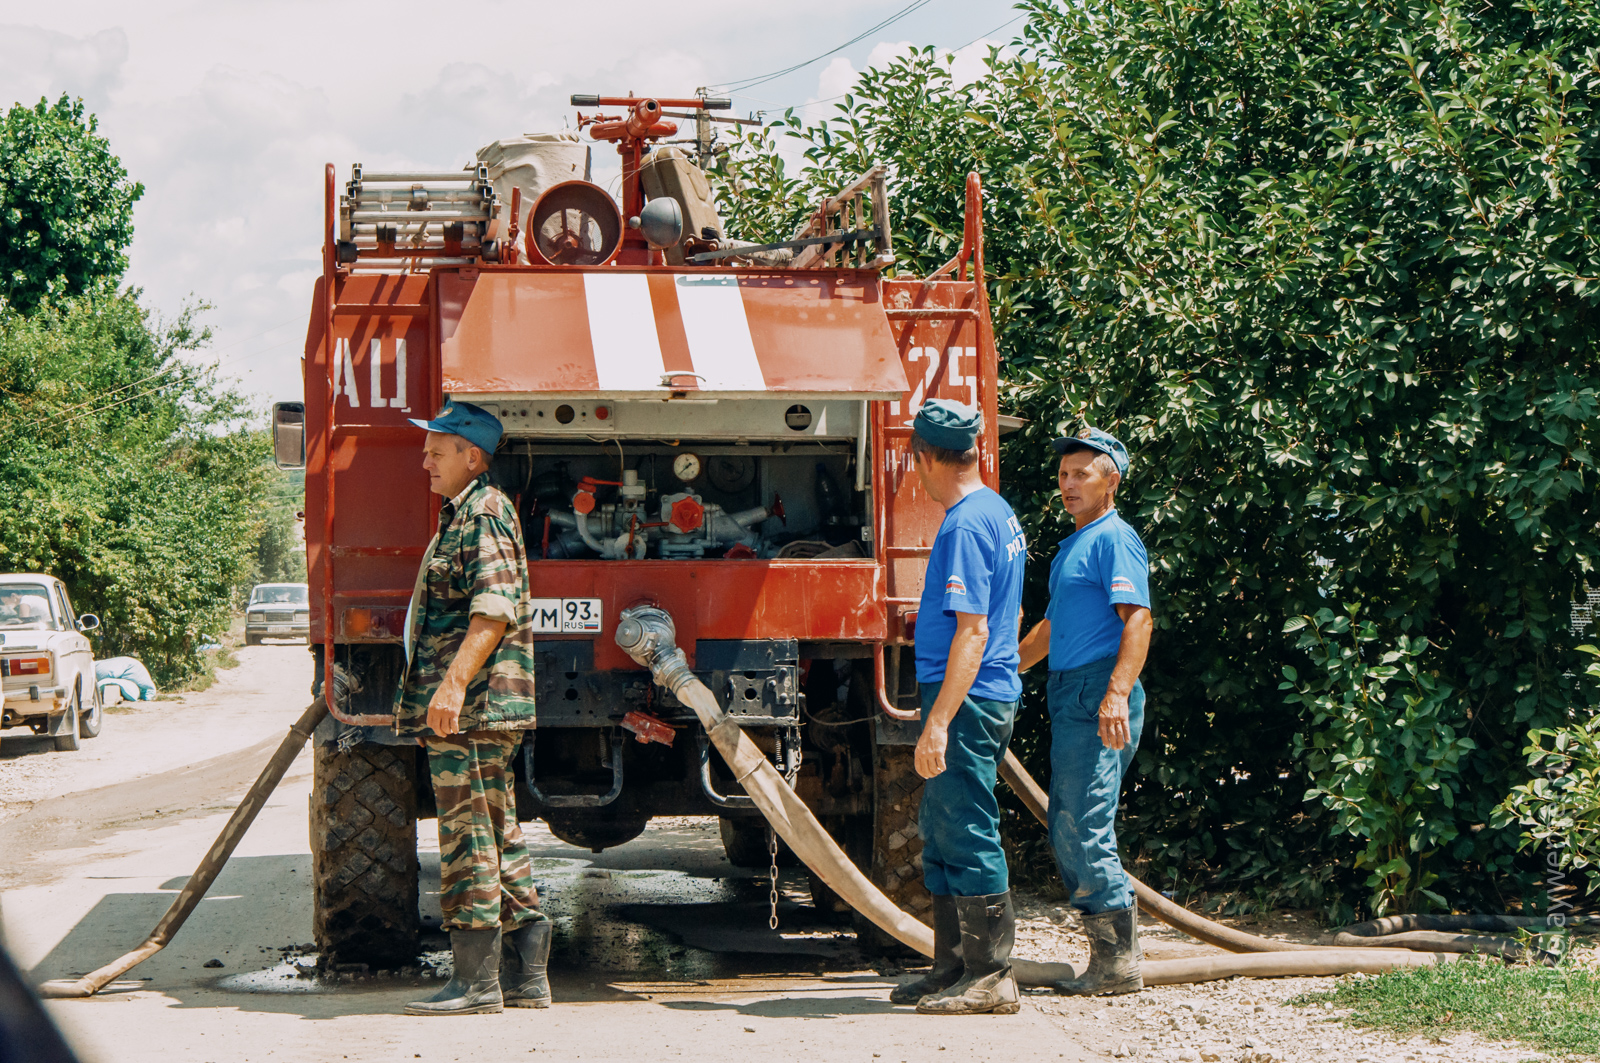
(896, 845)
(364, 854)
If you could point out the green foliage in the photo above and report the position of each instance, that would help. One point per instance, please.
(1329, 268)
(1382, 749)
(120, 474)
(66, 204)
(1552, 1009)
(280, 552)
(1560, 806)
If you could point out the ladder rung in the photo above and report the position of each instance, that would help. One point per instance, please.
(922, 314)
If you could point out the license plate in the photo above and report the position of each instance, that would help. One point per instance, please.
(277, 629)
(566, 616)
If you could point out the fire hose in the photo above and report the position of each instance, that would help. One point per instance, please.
(647, 634)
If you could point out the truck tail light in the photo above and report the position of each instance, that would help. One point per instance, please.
(363, 623)
(20, 666)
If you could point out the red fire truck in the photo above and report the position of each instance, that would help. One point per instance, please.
(717, 428)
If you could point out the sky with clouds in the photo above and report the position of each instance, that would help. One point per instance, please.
(227, 110)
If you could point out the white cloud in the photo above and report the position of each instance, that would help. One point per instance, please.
(42, 63)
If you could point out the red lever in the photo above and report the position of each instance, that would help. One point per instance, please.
(647, 728)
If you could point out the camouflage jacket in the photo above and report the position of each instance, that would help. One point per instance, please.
(475, 566)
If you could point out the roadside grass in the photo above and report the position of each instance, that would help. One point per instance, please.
(1554, 1009)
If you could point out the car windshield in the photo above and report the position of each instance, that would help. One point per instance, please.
(24, 605)
(279, 594)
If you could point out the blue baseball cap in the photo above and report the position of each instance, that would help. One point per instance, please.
(1095, 439)
(951, 425)
(473, 423)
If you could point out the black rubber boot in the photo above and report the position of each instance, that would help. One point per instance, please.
(527, 953)
(947, 964)
(474, 988)
(987, 986)
(1113, 956)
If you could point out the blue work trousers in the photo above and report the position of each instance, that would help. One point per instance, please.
(1085, 784)
(960, 818)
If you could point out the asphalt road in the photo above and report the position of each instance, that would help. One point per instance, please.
(662, 948)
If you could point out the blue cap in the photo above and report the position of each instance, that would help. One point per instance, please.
(1095, 439)
(948, 424)
(473, 423)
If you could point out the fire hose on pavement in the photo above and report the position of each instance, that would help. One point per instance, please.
(647, 634)
(195, 889)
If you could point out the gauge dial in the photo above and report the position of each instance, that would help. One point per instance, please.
(686, 467)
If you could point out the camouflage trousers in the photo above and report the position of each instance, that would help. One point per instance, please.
(484, 875)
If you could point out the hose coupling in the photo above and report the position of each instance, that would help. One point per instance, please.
(646, 633)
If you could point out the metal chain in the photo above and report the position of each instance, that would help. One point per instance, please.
(772, 875)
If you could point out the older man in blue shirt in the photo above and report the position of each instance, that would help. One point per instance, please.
(1096, 633)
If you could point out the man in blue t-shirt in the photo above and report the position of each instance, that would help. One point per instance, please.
(966, 654)
(1097, 633)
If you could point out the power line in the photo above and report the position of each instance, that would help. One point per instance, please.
(842, 95)
(761, 79)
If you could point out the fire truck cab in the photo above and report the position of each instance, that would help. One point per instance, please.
(715, 428)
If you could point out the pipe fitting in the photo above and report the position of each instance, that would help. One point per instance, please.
(646, 633)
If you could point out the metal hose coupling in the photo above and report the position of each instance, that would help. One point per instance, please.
(647, 634)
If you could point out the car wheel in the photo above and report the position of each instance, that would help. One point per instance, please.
(89, 723)
(67, 738)
(252, 640)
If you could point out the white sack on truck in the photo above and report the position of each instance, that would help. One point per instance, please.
(533, 163)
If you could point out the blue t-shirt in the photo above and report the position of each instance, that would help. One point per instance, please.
(1098, 567)
(976, 566)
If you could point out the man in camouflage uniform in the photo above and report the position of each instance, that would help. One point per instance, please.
(468, 695)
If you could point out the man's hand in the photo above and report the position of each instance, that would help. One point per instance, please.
(930, 749)
(444, 710)
(1114, 720)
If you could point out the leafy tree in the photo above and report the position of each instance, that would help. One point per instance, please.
(120, 474)
(66, 204)
(1330, 269)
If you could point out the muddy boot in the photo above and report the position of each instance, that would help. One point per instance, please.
(474, 989)
(1113, 956)
(947, 965)
(527, 953)
(987, 986)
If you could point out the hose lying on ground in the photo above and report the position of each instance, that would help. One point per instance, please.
(647, 634)
(199, 882)
(1398, 931)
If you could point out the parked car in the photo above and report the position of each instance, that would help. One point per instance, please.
(277, 611)
(46, 663)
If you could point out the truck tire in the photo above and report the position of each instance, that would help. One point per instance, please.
(744, 840)
(364, 854)
(896, 844)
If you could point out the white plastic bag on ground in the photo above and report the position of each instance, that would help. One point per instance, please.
(129, 674)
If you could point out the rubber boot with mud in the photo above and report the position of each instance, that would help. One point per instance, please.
(474, 988)
(527, 955)
(987, 986)
(1113, 956)
(947, 964)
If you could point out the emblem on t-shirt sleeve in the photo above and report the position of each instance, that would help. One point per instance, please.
(1121, 583)
(953, 585)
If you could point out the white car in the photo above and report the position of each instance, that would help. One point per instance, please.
(46, 663)
(277, 611)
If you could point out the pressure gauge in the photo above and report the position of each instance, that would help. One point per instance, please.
(686, 467)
